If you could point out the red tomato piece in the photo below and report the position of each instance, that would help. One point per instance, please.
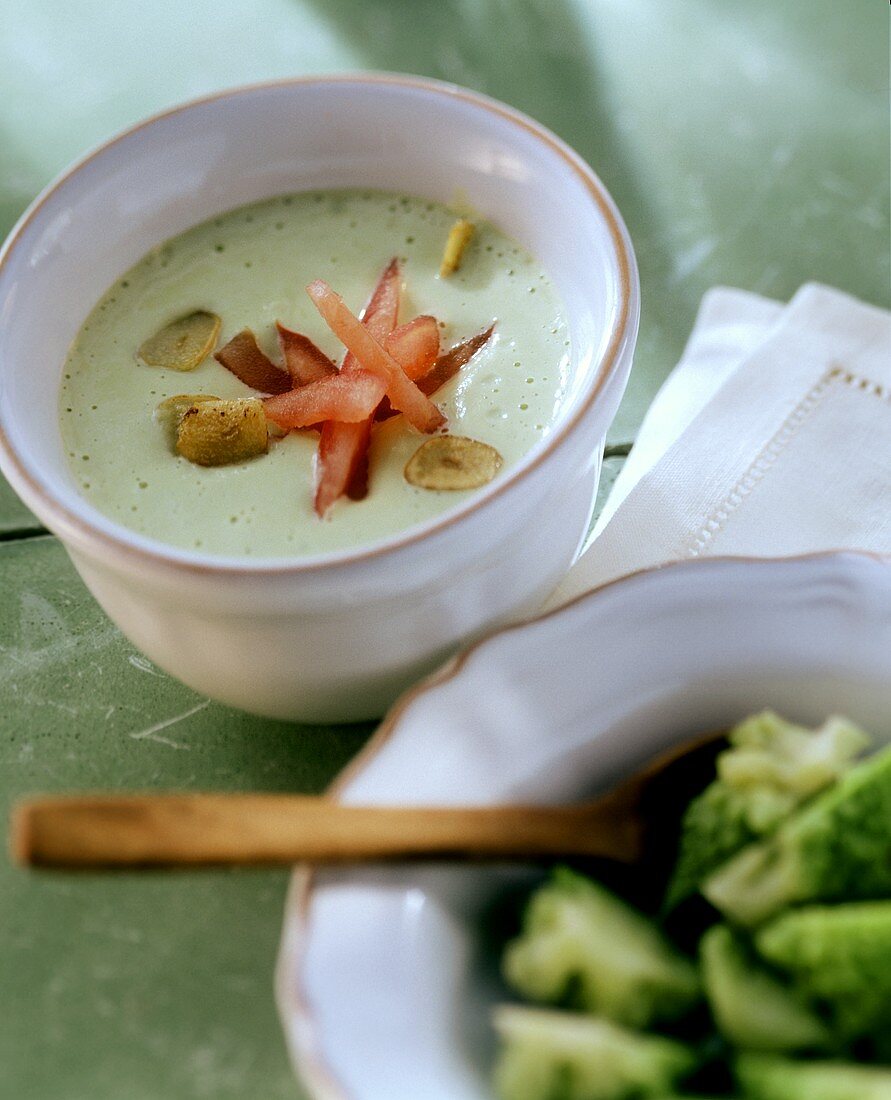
(346, 398)
(380, 313)
(445, 368)
(342, 459)
(243, 358)
(450, 362)
(342, 463)
(404, 395)
(357, 487)
(304, 361)
(415, 345)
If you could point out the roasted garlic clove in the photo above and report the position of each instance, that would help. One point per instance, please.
(217, 433)
(452, 462)
(171, 411)
(458, 240)
(183, 344)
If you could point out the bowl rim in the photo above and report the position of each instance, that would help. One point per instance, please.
(309, 1062)
(81, 530)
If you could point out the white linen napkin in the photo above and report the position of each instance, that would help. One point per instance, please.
(771, 437)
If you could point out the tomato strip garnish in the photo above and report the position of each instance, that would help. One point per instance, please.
(380, 313)
(357, 486)
(451, 361)
(304, 361)
(444, 369)
(342, 460)
(347, 398)
(343, 451)
(404, 395)
(243, 358)
(415, 345)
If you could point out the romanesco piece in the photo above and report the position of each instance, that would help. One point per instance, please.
(582, 946)
(769, 1077)
(836, 848)
(839, 957)
(753, 1009)
(770, 768)
(551, 1055)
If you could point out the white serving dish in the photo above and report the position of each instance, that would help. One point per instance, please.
(333, 638)
(382, 984)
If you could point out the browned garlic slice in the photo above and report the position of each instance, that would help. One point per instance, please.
(169, 413)
(459, 238)
(217, 433)
(182, 344)
(452, 462)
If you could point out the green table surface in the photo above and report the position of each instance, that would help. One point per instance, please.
(746, 143)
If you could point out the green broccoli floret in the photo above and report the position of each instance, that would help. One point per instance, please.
(551, 1055)
(583, 947)
(839, 957)
(837, 847)
(751, 1007)
(768, 1077)
(770, 768)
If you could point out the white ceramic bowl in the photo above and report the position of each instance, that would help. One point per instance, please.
(383, 986)
(333, 638)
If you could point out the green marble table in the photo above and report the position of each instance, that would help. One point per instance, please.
(746, 143)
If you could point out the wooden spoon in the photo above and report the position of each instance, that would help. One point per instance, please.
(169, 830)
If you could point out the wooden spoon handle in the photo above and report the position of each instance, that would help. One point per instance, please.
(234, 829)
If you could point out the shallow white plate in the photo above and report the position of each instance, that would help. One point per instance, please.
(383, 984)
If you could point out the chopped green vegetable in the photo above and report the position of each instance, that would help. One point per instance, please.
(837, 847)
(770, 768)
(840, 958)
(582, 946)
(751, 1007)
(768, 1077)
(551, 1055)
(791, 820)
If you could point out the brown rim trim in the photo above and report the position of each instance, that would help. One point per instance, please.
(292, 1002)
(88, 534)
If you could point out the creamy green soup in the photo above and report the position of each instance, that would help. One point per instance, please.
(250, 267)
